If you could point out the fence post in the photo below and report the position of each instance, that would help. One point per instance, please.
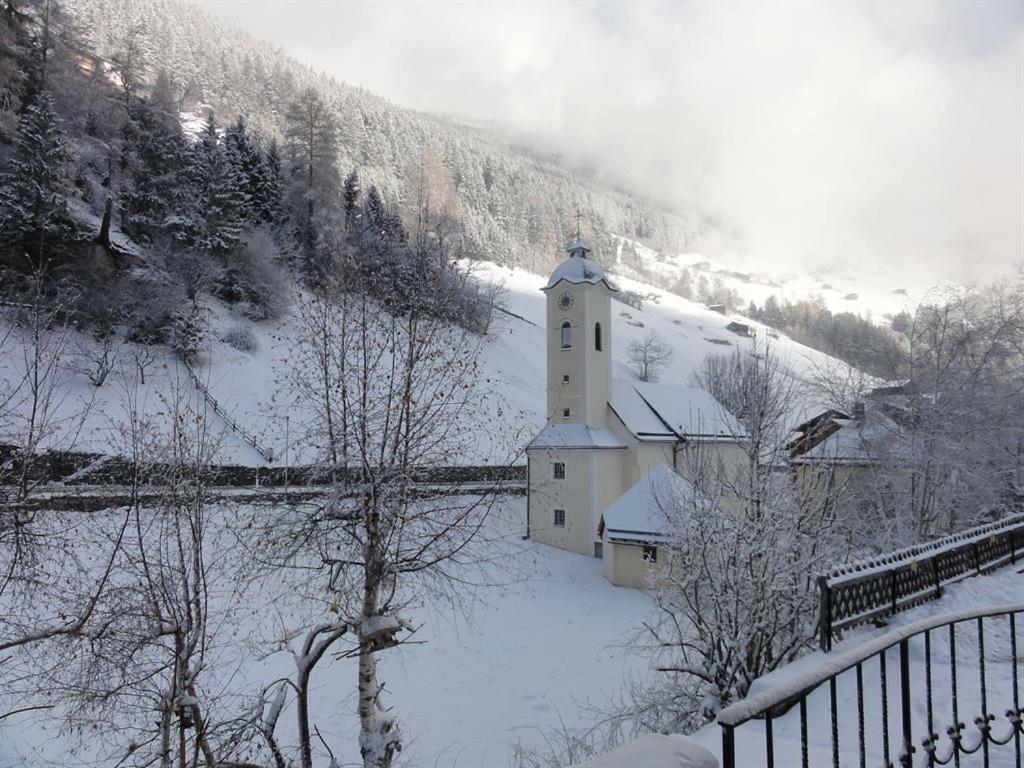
(728, 747)
(907, 753)
(977, 558)
(892, 589)
(935, 575)
(824, 614)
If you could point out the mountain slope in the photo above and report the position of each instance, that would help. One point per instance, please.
(515, 204)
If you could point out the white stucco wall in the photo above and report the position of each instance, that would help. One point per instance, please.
(592, 481)
(624, 564)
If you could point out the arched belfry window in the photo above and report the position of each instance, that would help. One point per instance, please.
(597, 336)
(566, 335)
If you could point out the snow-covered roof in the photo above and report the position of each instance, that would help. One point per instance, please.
(664, 411)
(690, 411)
(855, 442)
(578, 270)
(574, 436)
(637, 514)
(639, 418)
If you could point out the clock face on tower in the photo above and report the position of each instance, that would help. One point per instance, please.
(565, 301)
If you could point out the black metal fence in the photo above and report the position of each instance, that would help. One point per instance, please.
(871, 589)
(968, 708)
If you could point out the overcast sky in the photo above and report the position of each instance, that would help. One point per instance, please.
(859, 135)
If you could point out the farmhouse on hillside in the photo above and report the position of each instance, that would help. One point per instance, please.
(606, 440)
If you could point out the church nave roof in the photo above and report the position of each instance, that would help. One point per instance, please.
(665, 412)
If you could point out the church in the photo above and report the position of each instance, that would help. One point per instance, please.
(607, 444)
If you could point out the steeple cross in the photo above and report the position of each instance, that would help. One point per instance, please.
(579, 235)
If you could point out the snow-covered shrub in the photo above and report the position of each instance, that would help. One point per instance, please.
(242, 339)
(253, 278)
(563, 747)
(188, 329)
(630, 298)
(147, 328)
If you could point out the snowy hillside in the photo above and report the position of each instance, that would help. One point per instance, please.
(873, 294)
(249, 386)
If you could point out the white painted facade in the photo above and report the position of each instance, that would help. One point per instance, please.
(601, 438)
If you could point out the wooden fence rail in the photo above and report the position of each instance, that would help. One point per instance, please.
(859, 592)
(266, 453)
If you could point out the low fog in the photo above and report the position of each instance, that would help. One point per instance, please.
(862, 137)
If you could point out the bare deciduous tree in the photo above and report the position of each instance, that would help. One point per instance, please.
(649, 354)
(381, 545)
(158, 645)
(940, 442)
(736, 596)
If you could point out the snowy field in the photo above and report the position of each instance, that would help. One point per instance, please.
(532, 655)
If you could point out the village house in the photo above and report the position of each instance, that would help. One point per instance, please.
(603, 439)
(838, 457)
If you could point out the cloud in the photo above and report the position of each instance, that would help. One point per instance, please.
(856, 135)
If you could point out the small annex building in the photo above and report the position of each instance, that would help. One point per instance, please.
(603, 437)
(636, 525)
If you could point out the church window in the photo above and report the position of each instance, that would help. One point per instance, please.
(597, 336)
(650, 554)
(558, 470)
(559, 518)
(566, 413)
(566, 335)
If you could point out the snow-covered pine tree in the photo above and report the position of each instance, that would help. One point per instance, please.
(157, 155)
(211, 210)
(33, 207)
(269, 188)
(243, 152)
(350, 196)
(374, 212)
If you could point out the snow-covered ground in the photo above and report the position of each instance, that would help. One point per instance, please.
(534, 652)
(249, 386)
(545, 644)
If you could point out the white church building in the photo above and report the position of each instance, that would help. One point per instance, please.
(594, 467)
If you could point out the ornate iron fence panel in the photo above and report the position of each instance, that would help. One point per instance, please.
(925, 694)
(858, 592)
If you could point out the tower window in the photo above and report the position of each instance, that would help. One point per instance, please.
(566, 413)
(597, 336)
(559, 518)
(650, 554)
(566, 335)
(565, 378)
(558, 470)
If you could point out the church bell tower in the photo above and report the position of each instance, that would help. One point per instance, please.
(579, 377)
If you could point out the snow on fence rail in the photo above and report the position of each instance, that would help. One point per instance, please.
(929, 713)
(858, 592)
(266, 453)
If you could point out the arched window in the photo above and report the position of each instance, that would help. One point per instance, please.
(597, 336)
(566, 335)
